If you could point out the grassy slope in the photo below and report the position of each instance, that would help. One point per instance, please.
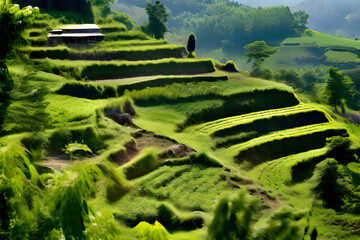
(312, 49)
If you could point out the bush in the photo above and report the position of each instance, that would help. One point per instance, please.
(191, 44)
(88, 135)
(229, 67)
(35, 144)
(141, 164)
(233, 217)
(340, 148)
(78, 89)
(290, 76)
(327, 186)
(59, 139)
(109, 92)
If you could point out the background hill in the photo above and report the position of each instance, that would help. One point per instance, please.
(327, 16)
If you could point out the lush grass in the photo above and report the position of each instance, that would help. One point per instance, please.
(336, 56)
(96, 91)
(128, 53)
(242, 103)
(225, 123)
(120, 69)
(285, 142)
(252, 129)
(121, 36)
(130, 43)
(323, 40)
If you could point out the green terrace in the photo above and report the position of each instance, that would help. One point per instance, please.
(98, 70)
(286, 142)
(136, 53)
(211, 128)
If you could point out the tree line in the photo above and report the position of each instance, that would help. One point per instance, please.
(229, 24)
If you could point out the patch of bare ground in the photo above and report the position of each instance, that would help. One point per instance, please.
(150, 139)
(269, 202)
(60, 161)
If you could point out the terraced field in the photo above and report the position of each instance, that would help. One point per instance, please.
(190, 138)
(211, 128)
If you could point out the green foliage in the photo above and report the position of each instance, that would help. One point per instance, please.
(67, 201)
(290, 76)
(340, 148)
(103, 226)
(141, 164)
(281, 225)
(301, 20)
(233, 217)
(257, 52)
(340, 88)
(28, 109)
(227, 20)
(76, 148)
(13, 22)
(157, 19)
(191, 44)
(85, 135)
(79, 11)
(35, 143)
(146, 231)
(327, 186)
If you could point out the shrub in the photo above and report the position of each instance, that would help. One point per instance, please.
(233, 217)
(229, 67)
(191, 44)
(141, 164)
(290, 76)
(59, 139)
(340, 148)
(129, 108)
(146, 231)
(35, 144)
(109, 92)
(82, 90)
(327, 187)
(88, 135)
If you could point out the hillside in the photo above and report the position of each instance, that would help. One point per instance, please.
(99, 138)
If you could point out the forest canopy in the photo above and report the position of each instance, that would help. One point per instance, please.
(230, 24)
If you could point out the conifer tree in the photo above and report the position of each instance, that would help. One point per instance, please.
(157, 19)
(340, 89)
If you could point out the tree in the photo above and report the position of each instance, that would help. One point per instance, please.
(13, 21)
(158, 17)
(327, 185)
(340, 88)
(301, 20)
(191, 45)
(256, 53)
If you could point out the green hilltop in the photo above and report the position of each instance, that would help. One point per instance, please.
(99, 138)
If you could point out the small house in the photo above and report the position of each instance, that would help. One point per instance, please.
(76, 34)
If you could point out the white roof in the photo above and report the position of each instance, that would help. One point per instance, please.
(81, 26)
